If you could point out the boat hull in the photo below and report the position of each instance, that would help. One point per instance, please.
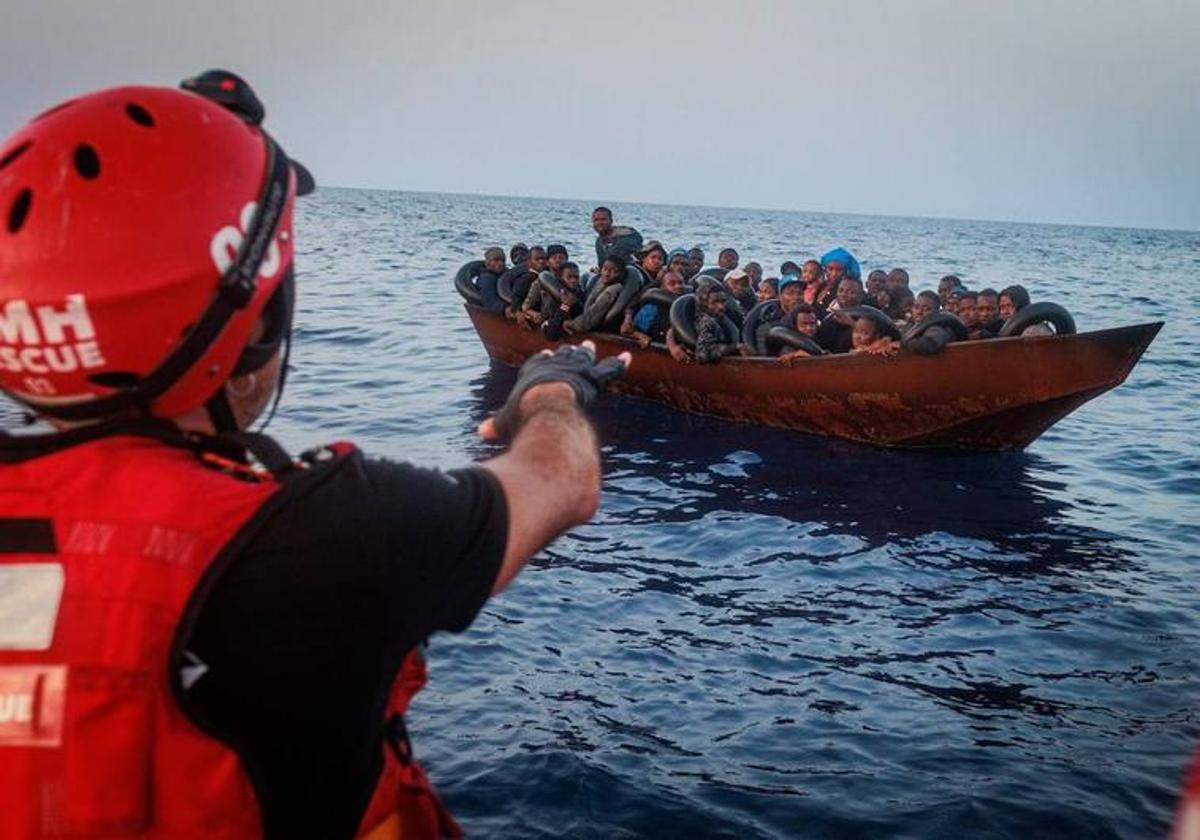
(983, 395)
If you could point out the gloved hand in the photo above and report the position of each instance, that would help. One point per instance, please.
(574, 366)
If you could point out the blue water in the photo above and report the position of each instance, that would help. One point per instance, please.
(763, 634)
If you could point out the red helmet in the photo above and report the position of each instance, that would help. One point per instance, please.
(142, 232)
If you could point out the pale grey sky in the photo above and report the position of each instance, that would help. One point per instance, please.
(1085, 111)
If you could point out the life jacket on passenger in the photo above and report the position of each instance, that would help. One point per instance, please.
(109, 544)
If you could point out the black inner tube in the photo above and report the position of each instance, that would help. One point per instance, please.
(767, 310)
(550, 285)
(464, 282)
(946, 320)
(1039, 313)
(885, 324)
(779, 337)
(504, 286)
(683, 322)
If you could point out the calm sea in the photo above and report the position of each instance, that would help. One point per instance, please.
(763, 634)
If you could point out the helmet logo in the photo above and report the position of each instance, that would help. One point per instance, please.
(227, 241)
(46, 339)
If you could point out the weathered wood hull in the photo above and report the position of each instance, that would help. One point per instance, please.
(996, 394)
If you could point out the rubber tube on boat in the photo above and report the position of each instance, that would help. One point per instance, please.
(946, 320)
(550, 285)
(504, 286)
(768, 309)
(683, 322)
(464, 282)
(882, 321)
(780, 336)
(1039, 313)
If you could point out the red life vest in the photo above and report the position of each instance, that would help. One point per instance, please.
(102, 546)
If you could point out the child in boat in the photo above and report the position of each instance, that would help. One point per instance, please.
(835, 331)
(652, 320)
(803, 319)
(711, 341)
(695, 262)
(556, 312)
(612, 277)
(866, 338)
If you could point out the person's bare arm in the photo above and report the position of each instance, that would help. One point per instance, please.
(550, 475)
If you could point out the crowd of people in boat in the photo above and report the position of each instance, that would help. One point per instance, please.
(652, 295)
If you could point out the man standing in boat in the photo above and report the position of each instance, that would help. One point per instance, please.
(201, 636)
(613, 241)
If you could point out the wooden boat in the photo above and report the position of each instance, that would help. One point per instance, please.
(996, 394)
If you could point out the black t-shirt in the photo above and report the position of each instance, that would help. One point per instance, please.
(304, 630)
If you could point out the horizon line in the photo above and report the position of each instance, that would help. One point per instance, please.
(861, 213)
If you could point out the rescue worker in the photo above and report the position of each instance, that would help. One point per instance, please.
(199, 635)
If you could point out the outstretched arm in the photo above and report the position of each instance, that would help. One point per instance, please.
(550, 473)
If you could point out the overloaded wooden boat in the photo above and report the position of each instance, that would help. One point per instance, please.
(996, 394)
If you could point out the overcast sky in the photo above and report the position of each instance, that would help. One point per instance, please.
(1079, 112)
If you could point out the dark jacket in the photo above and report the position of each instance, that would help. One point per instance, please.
(622, 242)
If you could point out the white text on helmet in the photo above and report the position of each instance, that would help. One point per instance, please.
(47, 339)
(227, 241)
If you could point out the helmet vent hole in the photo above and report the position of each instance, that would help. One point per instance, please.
(19, 210)
(139, 115)
(87, 162)
(114, 379)
(15, 153)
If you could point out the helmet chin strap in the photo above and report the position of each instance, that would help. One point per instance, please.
(220, 413)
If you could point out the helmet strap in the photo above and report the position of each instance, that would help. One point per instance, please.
(220, 413)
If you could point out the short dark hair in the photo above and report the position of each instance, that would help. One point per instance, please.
(551, 250)
(519, 249)
(854, 280)
(536, 249)
(878, 271)
(931, 296)
(967, 293)
(570, 266)
(953, 278)
(783, 268)
(615, 260)
(989, 293)
(603, 210)
(805, 308)
(725, 251)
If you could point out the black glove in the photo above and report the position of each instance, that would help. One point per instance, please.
(575, 366)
